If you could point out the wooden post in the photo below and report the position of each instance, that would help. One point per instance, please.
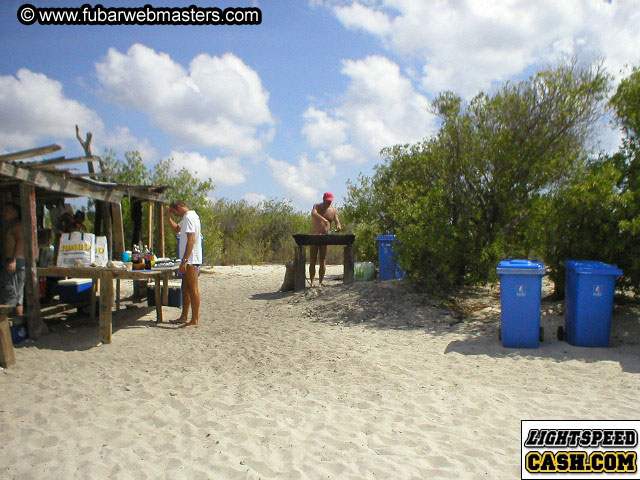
(150, 227)
(7, 355)
(299, 276)
(348, 275)
(159, 228)
(108, 228)
(118, 231)
(117, 295)
(158, 292)
(106, 302)
(165, 288)
(94, 292)
(32, 287)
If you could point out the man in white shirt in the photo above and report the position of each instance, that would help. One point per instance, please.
(190, 249)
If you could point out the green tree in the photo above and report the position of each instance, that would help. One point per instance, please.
(464, 198)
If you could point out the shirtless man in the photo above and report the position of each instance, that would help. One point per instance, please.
(322, 215)
(13, 273)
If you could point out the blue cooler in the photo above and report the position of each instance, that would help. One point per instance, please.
(588, 302)
(388, 268)
(74, 290)
(520, 292)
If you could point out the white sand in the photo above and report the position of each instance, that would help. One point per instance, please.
(361, 381)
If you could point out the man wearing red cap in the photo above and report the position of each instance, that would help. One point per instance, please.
(322, 215)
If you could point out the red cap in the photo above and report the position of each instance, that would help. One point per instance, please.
(328, 196)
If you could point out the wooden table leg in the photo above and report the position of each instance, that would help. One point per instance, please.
(348, 275)
(94, 291)
(117, 295)
(165, 288)
(299, 265)
(158, 293)
(106, 303)
(7, 355)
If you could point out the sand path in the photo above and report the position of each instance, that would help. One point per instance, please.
(362, 381)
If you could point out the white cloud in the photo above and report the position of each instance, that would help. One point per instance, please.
(254, 198)
(305, 181)
(217, 102)
(34, 107)
(380, 108)
(322, 131)
(465, 46)
(123, 141)
(222, 170)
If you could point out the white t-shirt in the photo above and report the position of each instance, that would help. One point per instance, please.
(191, 224)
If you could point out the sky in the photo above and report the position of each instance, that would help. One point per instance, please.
(297, 105)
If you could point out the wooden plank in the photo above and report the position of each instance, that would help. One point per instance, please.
(108, 228)
(106, 302)
(80, 175)
(33, 152)
(349, 265)
(150, 227)
(165, 288)
(118, 295)
(7, 355)
(118, 231)
(73, 272)
(158, 292)
(57, 183)
(299, 268)
(141, 194)
(159, 228)
(30, 238)
(94, 293)
(45, 164)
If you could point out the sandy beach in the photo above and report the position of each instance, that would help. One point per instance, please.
(362, 381)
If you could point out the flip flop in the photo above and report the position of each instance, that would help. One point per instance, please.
(176, 322)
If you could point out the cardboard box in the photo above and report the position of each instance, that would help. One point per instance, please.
(74, 290)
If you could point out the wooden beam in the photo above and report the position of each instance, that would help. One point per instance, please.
(30, 242)
(33, 152)
(106, 301)
(58, 161)
(79, 175)
(56, 183)
(141, 194)
(118, 231)
(108, 227)
(150, 226)
(7, 355)
(159, 228)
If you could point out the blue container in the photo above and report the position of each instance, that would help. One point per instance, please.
(19, 333)
(74, 290)
(589, 302)
(387, 265)
(520, 292)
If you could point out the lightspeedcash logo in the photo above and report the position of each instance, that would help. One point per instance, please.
(579, 449)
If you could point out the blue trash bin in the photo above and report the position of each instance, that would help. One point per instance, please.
(520, 292)
(387, 265)
(588, 302)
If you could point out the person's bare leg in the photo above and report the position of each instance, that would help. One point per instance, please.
(191, 278)
(313, 249)
(186, 301)
(323, 262)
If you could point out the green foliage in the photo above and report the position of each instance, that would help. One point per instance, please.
(465, 198)
(235, 232)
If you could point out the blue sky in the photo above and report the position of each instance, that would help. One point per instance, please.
(297, 105)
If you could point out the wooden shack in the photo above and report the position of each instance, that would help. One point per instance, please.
(33, 184)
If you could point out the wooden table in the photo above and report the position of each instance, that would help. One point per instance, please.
(303, 240)
(106, 277)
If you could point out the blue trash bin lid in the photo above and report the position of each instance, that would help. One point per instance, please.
(521, 267)
(385, 238)
(588, 267)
